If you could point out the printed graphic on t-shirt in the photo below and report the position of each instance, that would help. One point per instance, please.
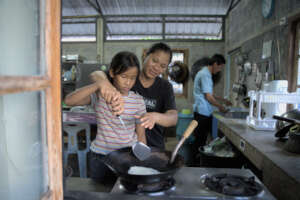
(150, 103)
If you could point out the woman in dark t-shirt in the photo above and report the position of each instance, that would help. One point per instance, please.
(157, 93)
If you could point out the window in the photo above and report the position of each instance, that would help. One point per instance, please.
(79, 29)
(30, 116)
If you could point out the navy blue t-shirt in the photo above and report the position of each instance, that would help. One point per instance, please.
(159, 97)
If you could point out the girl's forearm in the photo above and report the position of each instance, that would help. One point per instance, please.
(81, 96)
(140, 131)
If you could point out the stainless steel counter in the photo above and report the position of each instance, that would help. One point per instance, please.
(280, 169)
(189, 184)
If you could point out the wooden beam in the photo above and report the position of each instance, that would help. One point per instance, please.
(13, 84)
(53, 98)
(291, 56)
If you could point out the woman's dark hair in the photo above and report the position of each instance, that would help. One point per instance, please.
(217, 58)
(122, 61)
(160, 47)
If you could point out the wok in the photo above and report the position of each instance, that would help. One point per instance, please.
(122, 159)
(167, 164)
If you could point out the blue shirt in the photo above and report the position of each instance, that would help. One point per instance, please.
(203, 84)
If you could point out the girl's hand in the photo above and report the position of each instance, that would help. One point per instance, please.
(148, 120)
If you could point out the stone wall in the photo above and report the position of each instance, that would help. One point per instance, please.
(196, 50)
(247, 30)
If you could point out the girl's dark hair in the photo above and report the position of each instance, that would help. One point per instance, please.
(122, 61)
(160, 47)
(217, 58)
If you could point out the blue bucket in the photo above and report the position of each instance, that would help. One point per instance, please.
(182, 124)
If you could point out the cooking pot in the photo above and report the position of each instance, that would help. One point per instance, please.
(286, 121)
(122, 159)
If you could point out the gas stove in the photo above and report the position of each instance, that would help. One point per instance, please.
(202, 183)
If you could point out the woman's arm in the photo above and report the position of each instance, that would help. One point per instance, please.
(166, 119)
(81, 96)
(140, 131)
(108, 92)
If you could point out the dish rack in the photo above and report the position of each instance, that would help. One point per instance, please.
(267, 123)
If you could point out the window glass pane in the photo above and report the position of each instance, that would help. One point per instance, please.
(79, 32)
(19, 37)
(23, 154)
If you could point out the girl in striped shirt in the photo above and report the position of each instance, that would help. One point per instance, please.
(113, 132)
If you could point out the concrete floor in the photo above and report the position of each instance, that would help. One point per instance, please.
(76, 183)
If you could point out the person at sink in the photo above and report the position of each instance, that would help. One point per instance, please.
(204, 99)
(113, 131)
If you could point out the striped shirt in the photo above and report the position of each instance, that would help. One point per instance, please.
(111, 134)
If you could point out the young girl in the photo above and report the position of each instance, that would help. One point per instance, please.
(113, 132)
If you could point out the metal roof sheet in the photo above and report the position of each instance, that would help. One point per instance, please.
(194, 19)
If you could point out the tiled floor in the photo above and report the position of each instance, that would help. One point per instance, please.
(87, 184)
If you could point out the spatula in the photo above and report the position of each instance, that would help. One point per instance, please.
(186, 134)
(141, 151)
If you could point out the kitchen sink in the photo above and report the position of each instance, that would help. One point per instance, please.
(234, 114)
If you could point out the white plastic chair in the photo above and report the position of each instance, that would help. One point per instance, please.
(72, 129)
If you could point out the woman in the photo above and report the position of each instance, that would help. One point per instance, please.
(204, 99)
(157, 93)
(113, 132)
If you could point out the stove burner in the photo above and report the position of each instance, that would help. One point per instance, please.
(233, 185)
(148, 187)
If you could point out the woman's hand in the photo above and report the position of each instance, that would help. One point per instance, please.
(117, 105)
(108, 92)
(148, 120)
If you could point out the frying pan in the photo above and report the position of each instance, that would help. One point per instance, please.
(166, 162)
(121, 160)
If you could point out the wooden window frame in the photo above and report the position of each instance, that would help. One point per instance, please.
(165, 75)
(50, 83)
(293, 53)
